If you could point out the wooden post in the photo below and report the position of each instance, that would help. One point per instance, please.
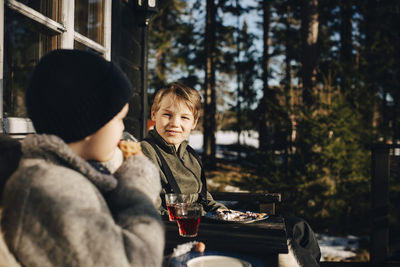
(143, 88)
(1, 61)
(380, 205)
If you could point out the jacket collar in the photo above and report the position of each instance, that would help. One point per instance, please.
(167, 147)
(55, 150)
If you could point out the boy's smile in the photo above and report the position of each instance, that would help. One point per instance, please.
(174, 120)
(172, 133)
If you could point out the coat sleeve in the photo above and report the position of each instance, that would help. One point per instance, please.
(61, 219)
(134, 204)
(212, 204)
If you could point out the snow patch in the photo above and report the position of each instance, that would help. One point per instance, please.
(334, 247)
(249, 138)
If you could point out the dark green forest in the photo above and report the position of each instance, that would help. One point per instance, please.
(318, 80)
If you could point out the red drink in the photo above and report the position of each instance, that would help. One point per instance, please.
(171, 212)
(187, 216)
(172, 199)
(188, 226)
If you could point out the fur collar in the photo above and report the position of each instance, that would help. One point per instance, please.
(53, 149)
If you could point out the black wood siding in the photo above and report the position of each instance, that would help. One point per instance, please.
(127, 44)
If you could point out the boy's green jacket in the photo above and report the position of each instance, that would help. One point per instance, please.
(184, 167)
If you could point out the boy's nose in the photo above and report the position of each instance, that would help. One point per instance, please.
(174, 120)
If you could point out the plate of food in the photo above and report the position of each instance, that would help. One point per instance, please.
(235, 216)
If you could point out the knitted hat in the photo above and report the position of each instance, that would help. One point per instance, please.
(73, 93)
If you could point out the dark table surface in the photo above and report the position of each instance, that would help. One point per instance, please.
(262, 239)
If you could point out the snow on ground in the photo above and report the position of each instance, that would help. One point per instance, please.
(227, 188)
(332, 247)
(249, 138)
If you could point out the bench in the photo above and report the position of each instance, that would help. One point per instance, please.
(385, 159)
(257, 202)
(16, 128)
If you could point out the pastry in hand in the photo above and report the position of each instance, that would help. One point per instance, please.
(129, 148)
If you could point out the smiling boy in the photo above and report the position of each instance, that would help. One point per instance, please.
(174, 119)
(175, 112)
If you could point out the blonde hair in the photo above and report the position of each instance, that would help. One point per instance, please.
(190, 96)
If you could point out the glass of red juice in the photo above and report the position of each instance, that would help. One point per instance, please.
(187, 216)
(172, 199)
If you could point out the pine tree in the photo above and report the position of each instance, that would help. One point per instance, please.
(247, 66)
(265, 100)
(309, 35)
(346, 45)
(167, 29)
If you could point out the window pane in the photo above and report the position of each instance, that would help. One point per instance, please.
(49, 8)
(25, 42)
(89, 19)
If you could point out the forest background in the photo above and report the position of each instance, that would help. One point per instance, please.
(318, 80)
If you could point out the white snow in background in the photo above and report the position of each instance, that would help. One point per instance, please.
(331, 246)
(338, 247)
(249, 138)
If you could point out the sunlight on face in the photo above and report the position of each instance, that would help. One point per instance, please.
(174, 120)
(101, 145)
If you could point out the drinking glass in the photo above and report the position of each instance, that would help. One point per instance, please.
(172, 199)
(128, 137)
(187, 216)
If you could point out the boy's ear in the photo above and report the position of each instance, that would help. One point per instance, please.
(195, 123)
(153, 115)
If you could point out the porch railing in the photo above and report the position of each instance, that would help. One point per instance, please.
(385, 166)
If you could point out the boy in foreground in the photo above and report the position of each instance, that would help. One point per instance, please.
(59, 210)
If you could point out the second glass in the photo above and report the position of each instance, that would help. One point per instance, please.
(188, 218)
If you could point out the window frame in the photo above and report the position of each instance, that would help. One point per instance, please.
(65, 29)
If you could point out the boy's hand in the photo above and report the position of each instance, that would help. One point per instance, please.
(223, 209)
(138, 173)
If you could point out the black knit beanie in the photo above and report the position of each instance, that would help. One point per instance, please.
(73, 93)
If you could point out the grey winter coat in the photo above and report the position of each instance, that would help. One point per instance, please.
(60, 211)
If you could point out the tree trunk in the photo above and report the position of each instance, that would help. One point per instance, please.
(396, 92)
(309, 35)
(161, 69)
(263, 129)
(209, 94)
(288, 59)
(288, 90)
(346, 55)
(372, 35)
(238, 80)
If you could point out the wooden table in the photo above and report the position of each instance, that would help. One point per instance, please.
(264, 239)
